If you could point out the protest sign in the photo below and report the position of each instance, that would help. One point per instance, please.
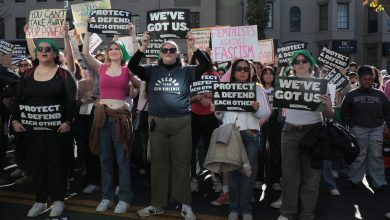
(285, 53)
(153, 49)
(40, 117)
(46, 23)
(75, 48)
(204, 85)
(337, 78)
(239, 42)
(5, 47)
(202, 37)
(234, 96)
(299, 93)
(81, 13)
(109, 21)
(128, 42)
(19, 50)
(267, 53)
(94, 42)
(332, 60)
(168, 23)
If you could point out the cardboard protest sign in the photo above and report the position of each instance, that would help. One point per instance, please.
(299, 93)
(234, 96)
(46, 23)
(40, 117)
(239, 42)
(81, 13)
(285, 53)
(75, 48)
(202, 37)
(204, 85)
(109, 21)
(337, 78)
(266, 51)
(5, 47)
(168, 23)
(332, 60)
(94, 42)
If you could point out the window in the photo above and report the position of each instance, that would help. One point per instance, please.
(135, 20)
(372, 21)
(342, 15)
(20, 22)
(2, 28)
(20, 0)
(295, 19)
(323, 21)
(194, 20)
(270, 10)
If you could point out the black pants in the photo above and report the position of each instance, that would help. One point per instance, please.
(202, 127)
(48, 151)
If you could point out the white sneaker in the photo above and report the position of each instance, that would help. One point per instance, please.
(121, 207)
(277, 204)
(57, 209)
(258, 185)
(282, 218)
(91, 188)
(276, 187)
(150, 210)
(233, 216)
(37, 209)
(187, 213)
(335, 192)
(17, 173)
(103, 205)
(194, 185)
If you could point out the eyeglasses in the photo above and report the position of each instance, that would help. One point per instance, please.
(44, 49)
(242, 69)
(24, 65)
(304, 61)
(171, 50)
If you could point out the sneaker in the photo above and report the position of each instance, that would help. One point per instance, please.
(281, 217)
(103, 205)
(150, 210)
(335, 192)
(37, 209)
(91, 188)
(188, 214)
(277, 204)
(258, 185)
(247, 217)
(194, 185)
(233, 216)
(17, 173)
(223, 199)
(276, 187)
(121, 207)
(57, 208)
(24, 180)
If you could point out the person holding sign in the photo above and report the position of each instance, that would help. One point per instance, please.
(170, 122)
(44, 110)
(112, 130)
(241, 185)
(300, 182)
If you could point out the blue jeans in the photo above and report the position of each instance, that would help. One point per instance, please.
(108, 146)
(370, 159)
(327, 175)
(240, 185)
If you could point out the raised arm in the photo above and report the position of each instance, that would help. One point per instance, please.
(30, 43)
(134, 64)
(68, 50)
(92, 62)
(204, 62)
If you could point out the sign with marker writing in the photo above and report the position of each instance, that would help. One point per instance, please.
(5, 47)
(337, 78)
(332, 60)
(299, 93)
(109, 21)
(204, 85)
(40, 117)
(234, 96)
(285, 53)
(202, 37)
(266, 51)
(239, 42)
(46, 23)
(81, 13)
(168, 23)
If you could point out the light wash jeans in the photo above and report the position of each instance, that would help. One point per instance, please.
(370, 159)
(240, 185)
(111, 150)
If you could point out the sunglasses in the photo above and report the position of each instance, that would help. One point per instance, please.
(24, 65)
(171, 50)
(242, 69)
(44, 49)
(304, 61)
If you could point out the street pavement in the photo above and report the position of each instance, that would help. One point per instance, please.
(360, 203)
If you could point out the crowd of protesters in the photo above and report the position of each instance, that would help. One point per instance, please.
(119, 112)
